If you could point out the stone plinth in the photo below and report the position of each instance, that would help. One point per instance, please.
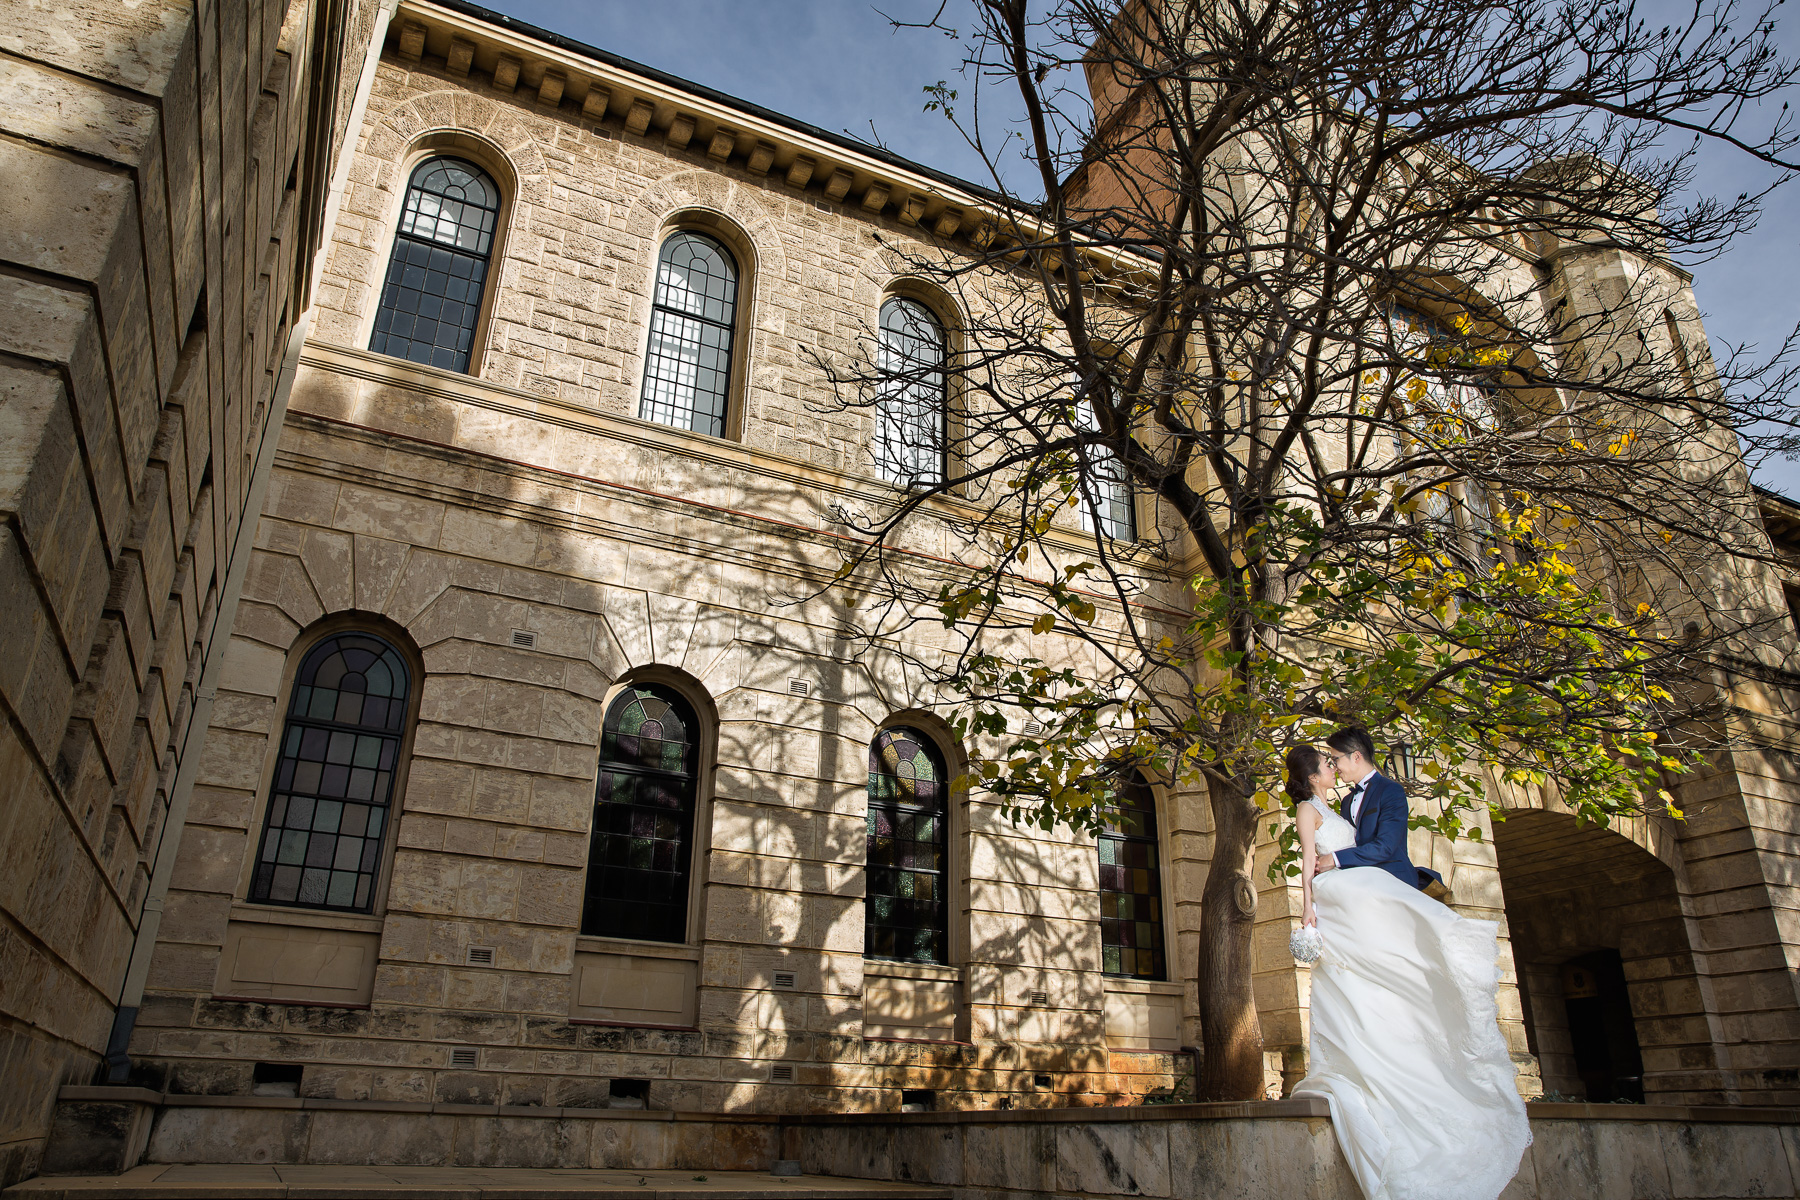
(1278, 1150)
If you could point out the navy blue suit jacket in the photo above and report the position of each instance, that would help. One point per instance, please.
(1381, 834)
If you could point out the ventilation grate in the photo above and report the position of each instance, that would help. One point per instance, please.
(481, 956)
(462, 1058)
(1042, 1080)
(1033, 729)
(781, 1074)
(799, 687)
(1040, 1000)
(524, 639)
(784, 979)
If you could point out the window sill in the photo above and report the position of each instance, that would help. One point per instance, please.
(936, 972)
(306, 918)
(593, 944)
(1141, 987)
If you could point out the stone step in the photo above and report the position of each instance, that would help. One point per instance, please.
(230, 1182)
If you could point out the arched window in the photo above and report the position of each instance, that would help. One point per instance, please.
(334, 782)
(906, 915)
(1107, 510)
(687, 371)
(1106, 506)
(432, 295)
(641, 855)
(910, 408)
(1131, 906)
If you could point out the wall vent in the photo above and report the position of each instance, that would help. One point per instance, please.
(481, 956)
(917, 1100)
(799, 687)
(784, 979)
(781, 1074)
(275, 1079)
(524, 639)
(1039, 1000)
(462, 1058)
(1033, 729)
(1042, 1080)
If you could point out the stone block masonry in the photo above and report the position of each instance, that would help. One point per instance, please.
(1255, 1151)
(153, 244)
(530, 547)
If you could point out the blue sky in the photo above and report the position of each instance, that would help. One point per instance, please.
(840, 65)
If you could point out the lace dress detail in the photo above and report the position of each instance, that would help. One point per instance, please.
(1405, 1044)
(1334, 833)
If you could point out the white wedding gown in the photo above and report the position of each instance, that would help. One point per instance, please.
(1405, 1045)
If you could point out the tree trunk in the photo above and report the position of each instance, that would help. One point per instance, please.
(1231, 1065)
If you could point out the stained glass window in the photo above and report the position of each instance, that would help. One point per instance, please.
(432, 295)
(328, 808)
(910, 409)
(907, 910)
(641, 854)
(687, 372)
(1131, 905)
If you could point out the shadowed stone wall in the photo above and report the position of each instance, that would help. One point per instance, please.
(165, 164)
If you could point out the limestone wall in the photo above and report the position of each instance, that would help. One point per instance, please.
(1255, 1151)
(1284, 1149)
(159, 199)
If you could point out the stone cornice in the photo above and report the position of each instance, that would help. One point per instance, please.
(583, 83)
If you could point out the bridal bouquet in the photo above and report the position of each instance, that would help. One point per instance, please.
(1306, 944)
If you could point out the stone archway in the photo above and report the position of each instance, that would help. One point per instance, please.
(1586, 906)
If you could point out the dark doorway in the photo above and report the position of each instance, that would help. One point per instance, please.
(1601, 1028)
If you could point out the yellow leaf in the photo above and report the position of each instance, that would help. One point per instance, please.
(1044, 624)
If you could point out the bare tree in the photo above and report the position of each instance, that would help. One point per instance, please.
(1332, 366)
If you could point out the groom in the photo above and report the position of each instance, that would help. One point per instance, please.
(1376, 805)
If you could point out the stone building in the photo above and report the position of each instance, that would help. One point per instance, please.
(171, 167)
(577, 506)
(534, 772)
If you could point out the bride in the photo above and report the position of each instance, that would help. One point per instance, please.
(1405, 1047)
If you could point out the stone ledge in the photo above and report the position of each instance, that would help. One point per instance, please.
(74, 1093)
(1746, 1114)
(116, 1095)
(1235, 1111)
(1244, 1110)
(161, 1182)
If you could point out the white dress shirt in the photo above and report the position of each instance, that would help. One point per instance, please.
(1356, 804)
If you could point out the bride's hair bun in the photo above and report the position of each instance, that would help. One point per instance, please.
(1302, 765)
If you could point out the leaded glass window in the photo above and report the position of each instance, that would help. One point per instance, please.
(1131, 905)
(1105, 504)
(1106, 509)
(910, 405)
(334, 781)
(687, 372)
(907, 910)
(641, 855)
(432, 295)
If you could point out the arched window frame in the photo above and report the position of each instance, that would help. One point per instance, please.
(251, 885)
(1111, 843)
(469, 152)
(911, 440)
(705, 756)
(950, 824)
(740, 257)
